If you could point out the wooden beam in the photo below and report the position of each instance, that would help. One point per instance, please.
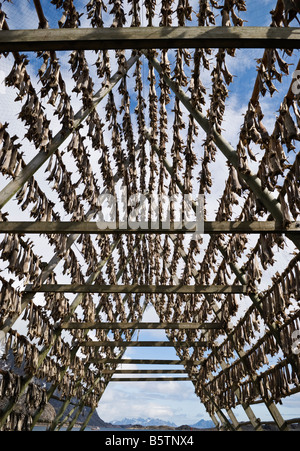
(145, 344)
(150, 379)
(148, 38)
(136, 288)
(143, 372)
(43, 21)
(144, 362)
(139, 325)
(210, 227)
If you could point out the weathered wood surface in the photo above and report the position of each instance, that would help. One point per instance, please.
(140, 289)
(143, 372)
(144, 362)
(148, 38)
(210, 227)
(150, 379)
(145, 344)
(141, 326)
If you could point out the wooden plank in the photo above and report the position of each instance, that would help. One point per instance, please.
(210, 227)
(141, 326)
(148, 38)
(145, 344)
(43, 21)
(135, 288)
(150, 379)
(144, 362)
(143, 372)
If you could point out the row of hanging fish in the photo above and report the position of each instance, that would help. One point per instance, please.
(60, 296)
(245, 330)
(10, 300)
(64, 186)
(20, 257)
(34, 318)
(221, 78)
(290, 192)
(23, 350)
(38, 324)
(228, 381)
(27, 354)
(288, 13)
(54, 88)
(32, 112)
(273, 385)
(70, 17)
(183, 10)
(91, 192)
(114, 308)
(11, 164)
(11, 161)
(279, 297)
(20, 419)
(255, 131)
(256, 358)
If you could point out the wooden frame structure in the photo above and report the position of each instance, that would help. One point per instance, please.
(148, 38)
(122, 270)
(141, 289)
(209, 227)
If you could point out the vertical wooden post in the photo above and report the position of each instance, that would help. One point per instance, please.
(215, 421)
(87, 420)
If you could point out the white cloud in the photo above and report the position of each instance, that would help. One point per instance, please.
(172, 401)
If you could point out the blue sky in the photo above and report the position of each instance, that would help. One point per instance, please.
(171, 401)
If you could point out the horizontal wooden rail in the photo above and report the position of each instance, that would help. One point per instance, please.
(144, 362)
(209, 227)
(148, 38)
(141, 326)
(143, 372)
(141, 289)
(150, 379)
(145, 344)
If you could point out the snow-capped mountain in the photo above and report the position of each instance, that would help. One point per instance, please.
(144, 422)
(202, 424)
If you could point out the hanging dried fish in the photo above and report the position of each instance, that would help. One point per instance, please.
(291, 9)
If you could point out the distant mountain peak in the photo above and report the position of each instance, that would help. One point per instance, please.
(144, 422)
(203, 424)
